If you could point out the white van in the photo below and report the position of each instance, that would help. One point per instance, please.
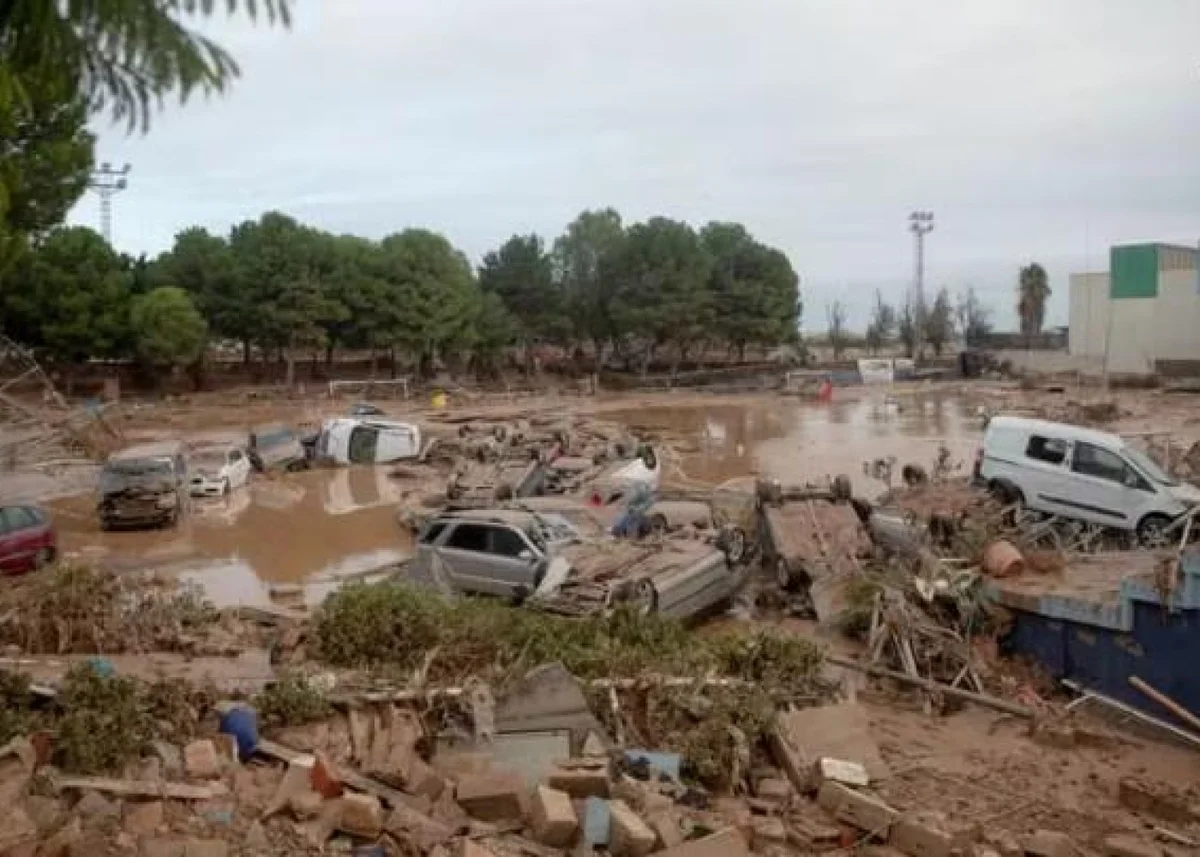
(1080, 473)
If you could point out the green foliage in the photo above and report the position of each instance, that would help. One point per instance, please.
(16, 706)
(292, 701)
(70, 298)
(1033, 290)
(521, 275)
(584, 264)
(124, 56)
(45, 163)
(170, 332)
(105, 722)
(395, 625)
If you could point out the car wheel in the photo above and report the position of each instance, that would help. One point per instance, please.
(1152, 531)
(645, 598)
(43, 558)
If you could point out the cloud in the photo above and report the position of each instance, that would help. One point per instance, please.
(1033, 130)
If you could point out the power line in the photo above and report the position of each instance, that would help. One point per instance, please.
(920, 223)
(107, 183)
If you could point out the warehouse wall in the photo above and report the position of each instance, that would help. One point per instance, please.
(1177, 316)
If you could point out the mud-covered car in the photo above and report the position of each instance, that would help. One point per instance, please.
(544, 561)
(144, 486)
(276, 447)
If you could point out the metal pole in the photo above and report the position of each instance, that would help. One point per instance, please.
(107, 182)
(920, 223)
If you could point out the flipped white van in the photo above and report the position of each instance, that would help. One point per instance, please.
(1083, 474)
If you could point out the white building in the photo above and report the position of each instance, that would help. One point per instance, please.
(1142, 316)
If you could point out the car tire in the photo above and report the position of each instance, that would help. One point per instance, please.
(1151, 531)
(43, 558)
(644, 598)
(1006, 493)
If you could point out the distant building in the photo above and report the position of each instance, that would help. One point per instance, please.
(1140, 317)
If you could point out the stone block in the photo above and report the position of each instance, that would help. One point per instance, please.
(143, 819)
(407, 824)
(201, 760)
(724, 843)
(922, 834)
(491, 797)
(629, 836)
(840, 771)
(774, 789)
(1128, 845)
(1049, 843)
(769, 831)
(362, 815)
(582, 782)
(864, 811)
(553, 817)
(666, 827)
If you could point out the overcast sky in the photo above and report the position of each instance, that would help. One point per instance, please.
(1033, 129)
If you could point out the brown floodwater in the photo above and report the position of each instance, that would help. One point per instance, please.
(322, 527)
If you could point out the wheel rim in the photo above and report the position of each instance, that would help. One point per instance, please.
(1154, 534)
(644, 598)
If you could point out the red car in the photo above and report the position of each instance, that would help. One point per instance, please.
(27, 539)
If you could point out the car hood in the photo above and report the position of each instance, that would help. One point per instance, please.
(1186, 493)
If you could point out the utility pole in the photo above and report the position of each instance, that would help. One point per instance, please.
(920, 223)
(107, 182)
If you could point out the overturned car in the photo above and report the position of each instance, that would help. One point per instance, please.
(544, 561)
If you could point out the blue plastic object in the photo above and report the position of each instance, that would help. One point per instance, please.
(597, 818)
(668, 763)
(102, 667)
(242, 723)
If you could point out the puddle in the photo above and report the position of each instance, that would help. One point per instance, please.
(799, 441)
(323, 527)
(318, 526)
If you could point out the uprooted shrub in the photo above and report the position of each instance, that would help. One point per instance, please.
(292, 700)
(76, 609)
(396, 625)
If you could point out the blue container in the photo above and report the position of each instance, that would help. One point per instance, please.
(242, 723)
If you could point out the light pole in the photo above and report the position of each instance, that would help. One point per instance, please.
(107, 182)
(920, 223)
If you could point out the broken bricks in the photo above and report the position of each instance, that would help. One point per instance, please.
(553, 817)
(629, 836)
(491, 797)
(866, 812)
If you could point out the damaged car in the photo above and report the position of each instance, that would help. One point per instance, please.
(355, 440)
(544, 561)
(144, 486)
(276, 447)
(217, 469)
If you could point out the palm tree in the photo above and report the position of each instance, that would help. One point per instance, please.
(123, 56)
(1033, 288)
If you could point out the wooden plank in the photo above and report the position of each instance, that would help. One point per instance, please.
(140, 788)
(353, 779)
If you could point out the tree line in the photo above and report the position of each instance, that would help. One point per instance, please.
(276, 288)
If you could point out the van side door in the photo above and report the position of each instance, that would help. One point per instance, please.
(1043, 478)
(1102, 490)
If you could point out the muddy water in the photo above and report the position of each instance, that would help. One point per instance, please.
(800, 441)
(322, 527)
(317, 527)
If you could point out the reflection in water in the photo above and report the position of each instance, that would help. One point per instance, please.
(325, 525)
(281, 528)
(799, 441)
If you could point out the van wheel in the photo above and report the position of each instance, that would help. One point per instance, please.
(645, 598)
(1152, 531)
(1006, 493)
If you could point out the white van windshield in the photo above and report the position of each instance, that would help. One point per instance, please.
(1146, 464)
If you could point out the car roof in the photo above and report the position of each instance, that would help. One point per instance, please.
(156, 449)
(1055, 429)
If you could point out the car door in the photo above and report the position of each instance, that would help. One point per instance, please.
(1043, 475)
(514, 559)
(1099, 490)
(464, 555)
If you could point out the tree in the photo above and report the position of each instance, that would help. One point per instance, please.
(835, 319)
(584, 261)
(906, 327)
(882, 325)
(939, 322)
(1033, 289)
(662, 297)
(521, 274)
(124, 56)
(46, 156)
(69, 298)
(755, 291)
(169, 329)
(202, 264)
(974, 319)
